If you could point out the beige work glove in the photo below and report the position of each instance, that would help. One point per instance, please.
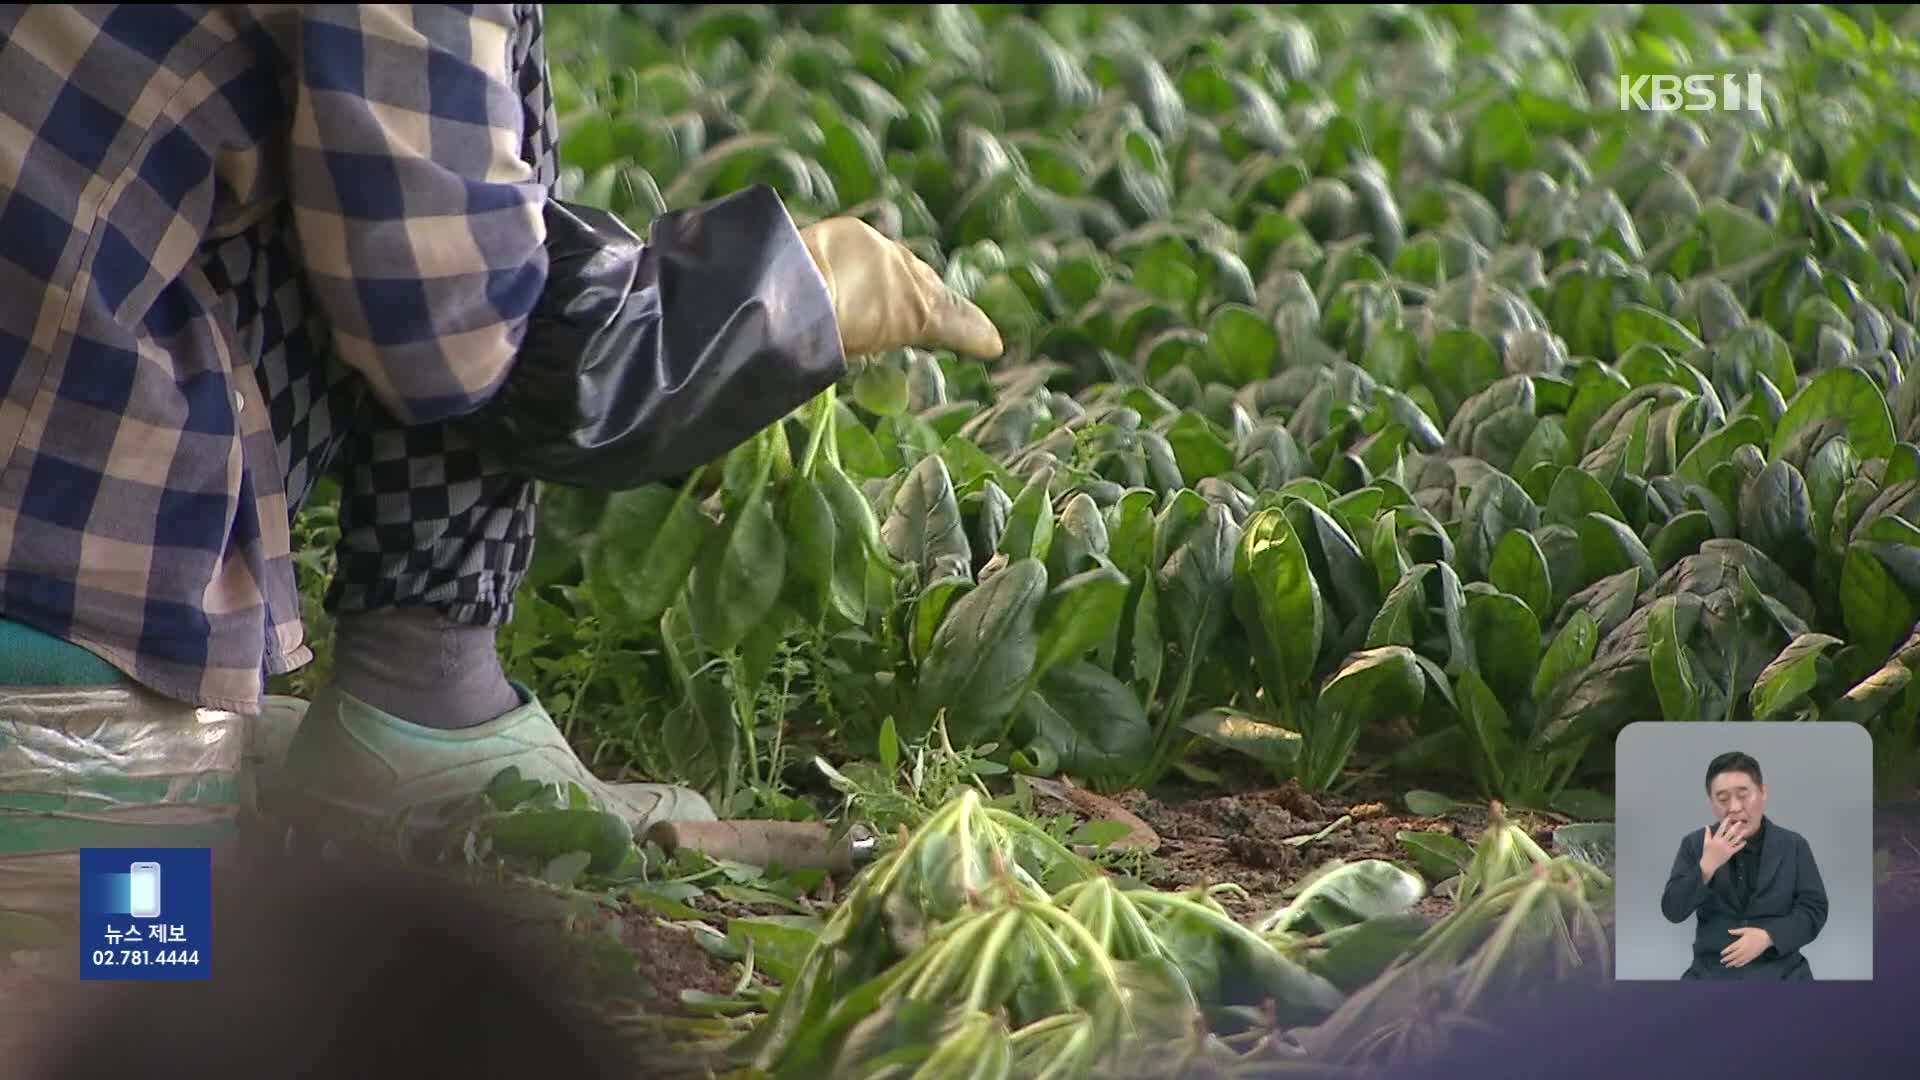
(885, 297)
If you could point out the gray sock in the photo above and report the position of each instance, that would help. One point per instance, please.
(414, 664)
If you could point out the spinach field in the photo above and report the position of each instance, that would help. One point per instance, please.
(1388, 418)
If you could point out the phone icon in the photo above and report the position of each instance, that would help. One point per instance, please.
(144, 895)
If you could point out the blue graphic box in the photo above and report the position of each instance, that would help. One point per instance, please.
(146, 913)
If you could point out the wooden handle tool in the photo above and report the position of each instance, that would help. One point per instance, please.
(791, 845)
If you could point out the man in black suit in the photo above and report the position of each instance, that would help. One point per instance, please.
(1751, 881)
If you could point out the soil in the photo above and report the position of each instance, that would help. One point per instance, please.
(1266, 839)
(1207, 838)
(1241, 839)
(671, 960)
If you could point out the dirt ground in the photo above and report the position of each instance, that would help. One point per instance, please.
(1204, 839)
(1241, 838)
(1211, 838)
(671, 960)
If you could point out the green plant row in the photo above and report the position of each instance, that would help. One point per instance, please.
(1379, 391)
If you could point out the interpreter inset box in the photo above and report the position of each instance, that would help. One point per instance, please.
(1745, 852)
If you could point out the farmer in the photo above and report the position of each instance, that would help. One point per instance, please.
(245, 248)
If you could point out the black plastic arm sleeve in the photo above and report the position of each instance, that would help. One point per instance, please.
(645, 360)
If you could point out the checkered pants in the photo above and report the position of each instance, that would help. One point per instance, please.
(425, 516)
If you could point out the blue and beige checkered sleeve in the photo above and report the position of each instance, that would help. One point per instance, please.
(420, 219)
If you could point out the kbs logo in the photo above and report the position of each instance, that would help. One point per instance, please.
(1693, 93)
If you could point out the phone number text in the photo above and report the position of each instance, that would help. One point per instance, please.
(145, 957)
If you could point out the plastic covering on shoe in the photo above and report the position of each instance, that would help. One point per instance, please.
(645, 360)
(113, 767)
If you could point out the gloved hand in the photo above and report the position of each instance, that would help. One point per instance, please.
(885, 297)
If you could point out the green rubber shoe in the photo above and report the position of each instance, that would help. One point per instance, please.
(348, 757)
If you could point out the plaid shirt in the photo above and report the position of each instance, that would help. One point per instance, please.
(185, 190)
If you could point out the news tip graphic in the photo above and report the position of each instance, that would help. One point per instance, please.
(146, 913)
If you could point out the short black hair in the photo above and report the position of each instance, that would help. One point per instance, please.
(1734, 761)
